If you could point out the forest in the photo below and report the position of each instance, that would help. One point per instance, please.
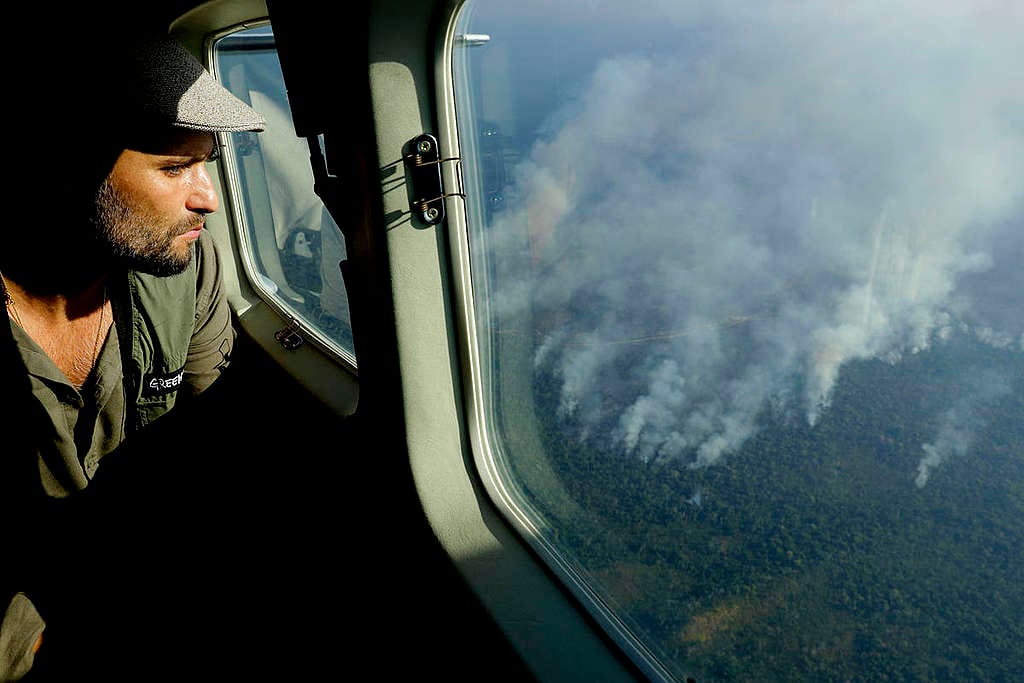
(817, 553)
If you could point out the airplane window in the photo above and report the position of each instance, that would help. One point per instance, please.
(294, 245)
(749, 309)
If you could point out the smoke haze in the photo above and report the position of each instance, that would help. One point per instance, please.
(958, 424)
(721, 230)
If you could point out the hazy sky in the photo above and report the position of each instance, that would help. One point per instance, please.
(726, 222)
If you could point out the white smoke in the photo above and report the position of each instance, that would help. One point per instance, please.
(956, 433)
(724, 229)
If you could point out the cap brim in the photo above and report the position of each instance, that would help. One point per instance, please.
(177, 91)
(209, 106)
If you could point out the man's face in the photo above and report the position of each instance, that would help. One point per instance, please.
(153, 204)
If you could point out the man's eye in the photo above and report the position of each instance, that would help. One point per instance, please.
(176, 169)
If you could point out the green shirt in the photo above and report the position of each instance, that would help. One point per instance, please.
(86, 425)
(90, 423)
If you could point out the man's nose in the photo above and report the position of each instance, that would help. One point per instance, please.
(202, 197)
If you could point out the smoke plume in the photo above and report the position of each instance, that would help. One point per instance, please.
(718, 231)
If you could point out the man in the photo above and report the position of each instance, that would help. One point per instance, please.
(116, 315)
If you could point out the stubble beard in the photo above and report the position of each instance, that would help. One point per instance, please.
(138, 239)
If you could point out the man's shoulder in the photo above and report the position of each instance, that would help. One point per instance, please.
(207, 255)
(206, 242)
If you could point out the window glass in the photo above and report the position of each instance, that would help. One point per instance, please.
(748, 291)
(294, 245)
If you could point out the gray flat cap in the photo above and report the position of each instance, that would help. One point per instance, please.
(169, 87)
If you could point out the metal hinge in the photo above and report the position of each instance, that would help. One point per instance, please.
(423, 169)
(289, 336)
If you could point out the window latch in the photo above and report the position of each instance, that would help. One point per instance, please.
(289, 336)
(423, 170)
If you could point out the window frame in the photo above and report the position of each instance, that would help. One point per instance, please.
(481, 422)
(483, 426)
(245, 235)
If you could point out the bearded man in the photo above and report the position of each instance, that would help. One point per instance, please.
(116, 313)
